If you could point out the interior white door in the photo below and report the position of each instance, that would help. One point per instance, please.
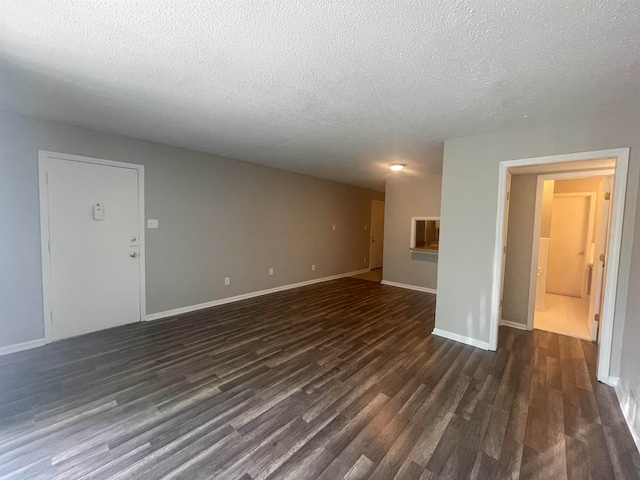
(377, 234)
(600, 265)
(94, 246)
(567, 245)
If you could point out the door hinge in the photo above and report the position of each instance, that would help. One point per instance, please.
(504, 250)
(51, 315)
(501, 303)
(49, 245)
(602, 257)
(508, 195)
(46, 178)
(607, 196)
(596, 318)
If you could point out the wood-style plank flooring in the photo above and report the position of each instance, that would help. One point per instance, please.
(330, 381)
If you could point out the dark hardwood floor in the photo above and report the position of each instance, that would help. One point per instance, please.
(330, 381)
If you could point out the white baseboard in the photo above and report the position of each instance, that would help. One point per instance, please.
(18, 347)
(245, 296)
(461, 338)
(409, 287)
(509, 323)
(630, 406)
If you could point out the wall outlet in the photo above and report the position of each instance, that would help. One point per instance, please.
(334, 226)
(152, 223)
(365, 260)
(366, 226)
(313, 267)
(271, 271)
(227, 280)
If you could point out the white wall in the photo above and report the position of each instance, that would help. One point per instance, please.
(407, 197)
(218, 217)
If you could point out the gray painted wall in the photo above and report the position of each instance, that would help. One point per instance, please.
(408, 197)
(469, 205)
(522, 206)
(218, 217)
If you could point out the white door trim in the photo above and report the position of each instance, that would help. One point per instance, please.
(43, 158)
(622, 165)
(371, 231)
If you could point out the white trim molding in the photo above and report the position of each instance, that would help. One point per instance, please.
(509, 323)
(18, 347)
(222, 301)
(461, 338)
(409, 287)
(617, 211)
(613, 381)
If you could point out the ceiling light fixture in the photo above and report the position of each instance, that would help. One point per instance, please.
(396, 166)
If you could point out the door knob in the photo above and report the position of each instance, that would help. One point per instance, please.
(133, 254)
(133, 239)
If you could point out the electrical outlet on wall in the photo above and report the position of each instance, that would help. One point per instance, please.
(313, 267)
(366, 226)
(271, 271)
(334, 226)
(227, 280)
(365, 259)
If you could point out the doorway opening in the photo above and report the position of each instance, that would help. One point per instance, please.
(572, 233)
(581, 266)
(376, 248)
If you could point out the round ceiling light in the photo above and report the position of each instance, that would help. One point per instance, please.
(396, 166)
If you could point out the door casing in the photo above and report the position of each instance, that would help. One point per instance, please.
(617, 215)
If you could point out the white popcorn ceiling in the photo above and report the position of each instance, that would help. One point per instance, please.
(337, 89)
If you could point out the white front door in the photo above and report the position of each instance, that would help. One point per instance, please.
(94, 234)
(377, 233)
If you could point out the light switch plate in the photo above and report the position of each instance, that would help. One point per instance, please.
(152, 223)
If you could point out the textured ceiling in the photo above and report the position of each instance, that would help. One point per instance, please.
(332, 88)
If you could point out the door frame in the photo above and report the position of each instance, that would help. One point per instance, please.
(537, 225)
(44, 157)
(371, 231)
(608, 312)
